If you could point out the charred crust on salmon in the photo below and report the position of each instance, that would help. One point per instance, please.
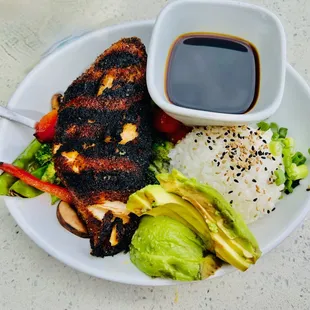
(103, 143)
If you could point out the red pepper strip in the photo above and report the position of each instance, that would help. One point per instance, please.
(31, 180)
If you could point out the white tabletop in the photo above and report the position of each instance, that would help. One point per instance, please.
(31, 279)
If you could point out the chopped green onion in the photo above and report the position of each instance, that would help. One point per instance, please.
(299, 159)
(275, 136)
(287, 159)
(275, 148)
(295, 172)
(288, 186)
(263, 126)
(289, 143)
(274, 127)
(283, 132)
(280, 177)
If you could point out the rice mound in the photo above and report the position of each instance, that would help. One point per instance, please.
(234, 160)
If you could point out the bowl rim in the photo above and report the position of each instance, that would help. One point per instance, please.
(175, 110)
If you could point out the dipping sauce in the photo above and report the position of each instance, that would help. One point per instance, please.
(213, 72)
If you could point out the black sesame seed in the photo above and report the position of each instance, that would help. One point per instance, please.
(263, 157)
(227, 147)
(215, 160)
(260, 153)
(231, 202)
(232, 140)
(232, 168)
(210, 147)
(273, 158)
(238, 174)
(251, 132)
(213, 141)
(242, 169)
(196, 141)
(225, 140)
(253, 148)
(255, 133)
(234, 134)
(238, 167)
(231, 156)
(230, 192)
(273, 209)
(250, 156)
(226, 133)
(218, 163)
(271, 172)
(266, 169)
(235, 180)
(308, 189)
(265, 141)
(254, 181)
(268, 211)
(255, 199)
(248, 128)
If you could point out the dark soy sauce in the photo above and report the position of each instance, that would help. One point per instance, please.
(214, 73)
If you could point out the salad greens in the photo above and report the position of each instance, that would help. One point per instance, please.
(294, 162)
(160, 160)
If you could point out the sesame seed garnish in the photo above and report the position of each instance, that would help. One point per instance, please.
(231, 202)
(195, 141)
(210, 147)
(268, 211)
(263, 157)
(254, 181)
(232, 140)
(242, 169)
(265, 141)
(253, 148)
(225, 140)
(273, 158)
(273, 209)
(230, 192)
(238, 174)
(238, 167)
(232, 168)
(255, 199)
(218, 163)
(308, 189)
(236, 181)
(215, 160)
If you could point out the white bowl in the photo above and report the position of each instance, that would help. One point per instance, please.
(254, 24)
(38, 218)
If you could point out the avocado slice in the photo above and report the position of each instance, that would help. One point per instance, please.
(164, 247)
(232, 241)
(155, 201)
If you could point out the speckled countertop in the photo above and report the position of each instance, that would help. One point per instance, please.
(31, 279)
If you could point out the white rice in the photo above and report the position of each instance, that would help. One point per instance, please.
(234, 160)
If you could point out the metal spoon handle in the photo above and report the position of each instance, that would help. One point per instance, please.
(13, 116)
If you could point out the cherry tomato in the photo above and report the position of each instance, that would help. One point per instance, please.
(174, 137)
(165, 123)
(45, 128)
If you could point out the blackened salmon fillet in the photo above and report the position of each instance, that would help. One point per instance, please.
(103, 143)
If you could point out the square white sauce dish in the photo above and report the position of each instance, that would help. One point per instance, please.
(217, 62)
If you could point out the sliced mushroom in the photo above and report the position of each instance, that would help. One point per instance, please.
(56, 101)
(69, 219)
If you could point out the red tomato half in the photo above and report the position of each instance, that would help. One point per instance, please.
(45, 128)
(165, 123)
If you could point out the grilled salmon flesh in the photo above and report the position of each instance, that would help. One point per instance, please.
(103, 143)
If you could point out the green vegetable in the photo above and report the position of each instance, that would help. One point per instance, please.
(22, 161)
(275, 136)
(263, 126)
(160, 160)
(280, 177)
(275, 148)
(163, 247)
(299, 159)
(274, 127)
(288, 186)
(295, 172)
(54, 199)
(44, 155)
(50, 174)
(289, 143)
(19, 188)
(309, 151)
(283, 132)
